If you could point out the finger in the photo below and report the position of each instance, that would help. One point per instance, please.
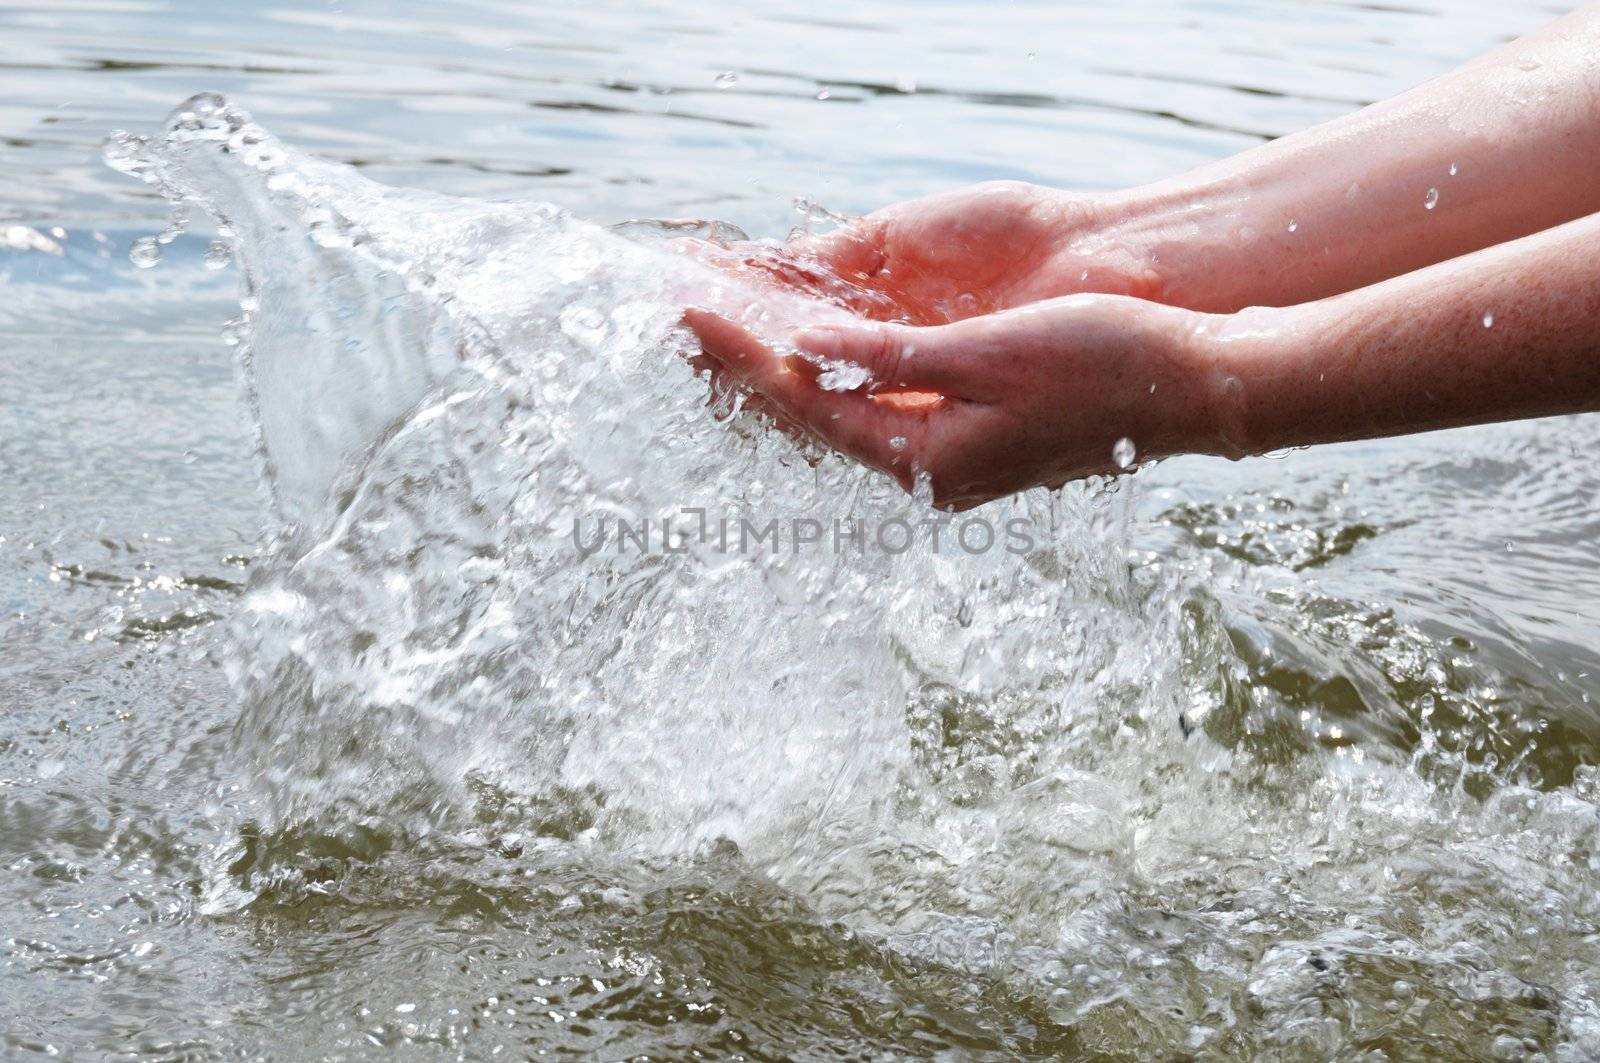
(899, 357)
(846, 421)
(787, 382)
(858, 250)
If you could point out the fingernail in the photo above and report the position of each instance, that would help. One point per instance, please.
(825, 341)
(802, 366)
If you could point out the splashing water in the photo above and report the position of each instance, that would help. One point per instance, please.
(455, 399)
(503, 604)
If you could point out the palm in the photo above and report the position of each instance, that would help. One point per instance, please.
(957, 255)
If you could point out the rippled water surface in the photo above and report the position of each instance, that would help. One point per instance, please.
(1286, 758)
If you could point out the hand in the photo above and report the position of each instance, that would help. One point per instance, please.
(957, 255)
(991, 405)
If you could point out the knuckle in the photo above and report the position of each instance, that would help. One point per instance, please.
(1005, 187)
(885, 355)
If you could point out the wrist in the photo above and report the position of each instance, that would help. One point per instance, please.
(1195, 237)
(1248, 367)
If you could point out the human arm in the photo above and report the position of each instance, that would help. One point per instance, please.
(1501, 148)
(1497, 149)
(1041, 394)
(1509, 332)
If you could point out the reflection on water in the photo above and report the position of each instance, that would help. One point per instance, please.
(1297, 761)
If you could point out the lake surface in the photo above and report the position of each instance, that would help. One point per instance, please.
(1292, 757)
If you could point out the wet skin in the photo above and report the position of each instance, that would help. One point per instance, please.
(1053, 325)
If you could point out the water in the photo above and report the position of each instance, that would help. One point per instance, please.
(1288, 757)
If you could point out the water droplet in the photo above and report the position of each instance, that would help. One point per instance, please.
(1432, 199)
(205, 104)
(906, 84)
(128, 153)
(218, 255)
(1488, 319)
(1031, 55)
(145, 252)
(1293, 225)
(727, 79)
(823, 94)
(1124, 453)
(897, 443)
(1453, 170)
(812, 211)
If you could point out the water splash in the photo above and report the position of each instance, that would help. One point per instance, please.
(1041, 763)
(445, 389)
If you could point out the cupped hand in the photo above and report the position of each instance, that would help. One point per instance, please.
(959, 254)
(991, 405)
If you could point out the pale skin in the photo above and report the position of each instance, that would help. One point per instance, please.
(1302, 292)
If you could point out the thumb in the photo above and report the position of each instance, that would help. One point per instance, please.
(896, 356)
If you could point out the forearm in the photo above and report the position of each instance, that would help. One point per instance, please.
(1506, 146)
(1509, 332)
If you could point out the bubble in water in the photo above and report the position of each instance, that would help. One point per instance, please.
(584, 324)
(727, 79)
(1488, 319)
(218, 254)
(843, 376)
(1453, 170)
(1124, 453)
(145, 252)
(897, 443)
(1293, 225)
(1432, 199)
(967, 303)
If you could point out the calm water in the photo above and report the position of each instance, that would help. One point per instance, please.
(1374, 834)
